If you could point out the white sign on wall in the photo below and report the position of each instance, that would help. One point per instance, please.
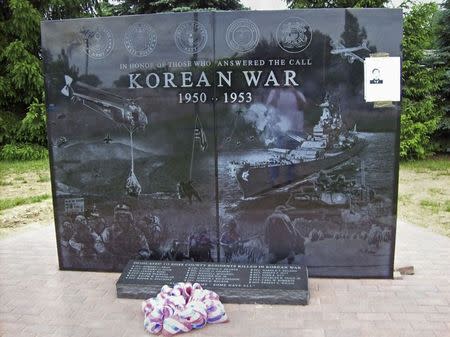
(382, 79)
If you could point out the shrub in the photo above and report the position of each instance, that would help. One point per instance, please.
(23, 152)
(33, 126)
(421, 113)
(9, 126)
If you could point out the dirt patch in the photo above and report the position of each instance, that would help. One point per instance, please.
(424, 198)
(20, 185)
(25, 184)
(18, 218)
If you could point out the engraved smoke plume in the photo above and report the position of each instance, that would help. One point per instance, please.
(267, 122)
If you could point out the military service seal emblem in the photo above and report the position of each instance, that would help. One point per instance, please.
(98, 41)
(242, 35)
(191, 37)
(140, 39)
(294, 35)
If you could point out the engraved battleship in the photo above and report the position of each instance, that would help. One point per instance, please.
(329, 145)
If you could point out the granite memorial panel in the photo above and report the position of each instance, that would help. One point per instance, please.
(236, 137)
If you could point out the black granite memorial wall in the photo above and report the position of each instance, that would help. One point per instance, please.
(234, 137)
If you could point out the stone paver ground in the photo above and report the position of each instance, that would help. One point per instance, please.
(36, 299)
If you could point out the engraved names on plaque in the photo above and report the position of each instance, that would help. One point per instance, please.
(237, 283)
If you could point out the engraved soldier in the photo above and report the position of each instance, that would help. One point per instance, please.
(200, 246)
(282, 238)
(187, 190)
(374, 238)
(127, 241)
(230, 240)
(82, 242)
(66, 233)
(176, 252)
(150, 226)
(101, 234)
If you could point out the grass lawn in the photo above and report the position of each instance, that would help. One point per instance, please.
(25, 195)
(17, 201)
(424, 194)
(23, 166)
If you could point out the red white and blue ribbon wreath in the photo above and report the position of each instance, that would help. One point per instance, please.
(181, 309)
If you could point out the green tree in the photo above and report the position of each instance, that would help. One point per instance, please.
(353, 35)
(66, 9)
(156, 6)
(442, 135)
(22, 109)
(421, 114)
(336, 3)
(21, 80)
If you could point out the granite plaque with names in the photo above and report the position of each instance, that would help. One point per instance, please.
(235, 283)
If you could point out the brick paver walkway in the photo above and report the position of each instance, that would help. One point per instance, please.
(36, 299)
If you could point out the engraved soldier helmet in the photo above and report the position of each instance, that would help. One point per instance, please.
(67, 225)
(122, 211)
(122, 208)
(80, 220)
(66, 231)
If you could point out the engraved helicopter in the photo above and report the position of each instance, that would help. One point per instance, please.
(122, 111)
(349, 53)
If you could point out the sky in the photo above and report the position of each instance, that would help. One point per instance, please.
(281, 4)
(265, 4)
